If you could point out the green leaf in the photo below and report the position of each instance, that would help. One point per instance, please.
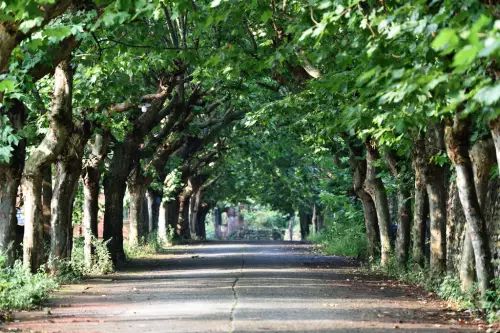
(215, 3)
(56, 34)
(7, 85)
(465, 56)
(488, 95)
(446, 41)
(27, 25)
(266, 16)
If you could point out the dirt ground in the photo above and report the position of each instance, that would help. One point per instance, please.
(243, 287)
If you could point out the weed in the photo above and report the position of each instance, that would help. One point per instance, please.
(147, 246)
(344, 239)
(21, 289)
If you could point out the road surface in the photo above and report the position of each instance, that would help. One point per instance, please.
(241, 287)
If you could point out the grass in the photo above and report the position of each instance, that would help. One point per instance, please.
(448, 288)
(147, 246)
(342, 239)
(21, 289)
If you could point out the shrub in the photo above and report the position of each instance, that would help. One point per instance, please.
(147, 246)
(343, 239)
(20, 289)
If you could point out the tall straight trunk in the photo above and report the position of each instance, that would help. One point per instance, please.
(68, 171)
(397, 168)
(291, 220)
(66, 180)
(114, 192)
(194, 210)
(45, 154)
(304, 219)
(162, 223)
(201, 218)
(46, 200)
(91, 175)
(482, 155)
(375, 188)
(495, 134)
(182, 229)
(115, 185)
(10, 179)
(137, 187)
(421, 205)
(436, 179)
(455, 234)
(217, 222)
(167, 222)
(358, 166)
(153, 208)
(457, 145)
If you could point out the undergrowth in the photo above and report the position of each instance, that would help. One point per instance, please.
(75, 269)
(342, 239)
(147, 246)
(21, 289)
(448, 287)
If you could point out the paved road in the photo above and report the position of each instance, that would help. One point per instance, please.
(240, 287)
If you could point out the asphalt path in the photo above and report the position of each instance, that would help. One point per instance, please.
(242, 287)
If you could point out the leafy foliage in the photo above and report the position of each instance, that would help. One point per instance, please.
(20, 289)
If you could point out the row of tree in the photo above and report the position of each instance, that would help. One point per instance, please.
(400, 100)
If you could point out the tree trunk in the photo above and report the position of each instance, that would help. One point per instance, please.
(45, 154)
(115, 185)
(495, 134)
(194, 210)
(358, 166)
(46, 200)
(10, 179)
(403, 203)
(182, 228)
(153, 210)
(91, 175)
(421, 205)
(114, 192)
(162, 222)
(375, 188)
(291, 220)
(201, 217)
(217, 222)
(304, 219)
(457, 144)
(167, 222)
(68, 170)
(483, 159)
(137, 187)
(436, 179)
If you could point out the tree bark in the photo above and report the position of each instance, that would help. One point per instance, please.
(46, 200)
(10, 179)
(375, 188)
(495, 134)
(45, 154)
(421, 205)
(137, 187)
(358, 166)
(91, 175)
(68, 170)
(457, 145)
(436, 179)
(153, 210)
(482, 155)
(182, 229)
(396, 166)
(304, 219)
(201, 218)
